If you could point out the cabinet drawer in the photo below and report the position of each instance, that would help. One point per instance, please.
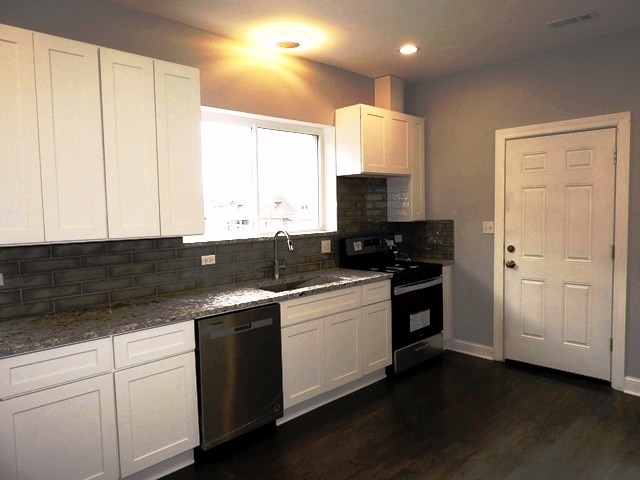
(376, 292)
(321, 305)
(154, 343)
(34, 371)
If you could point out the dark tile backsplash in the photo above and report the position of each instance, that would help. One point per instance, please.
(430, 239)
(47, 278)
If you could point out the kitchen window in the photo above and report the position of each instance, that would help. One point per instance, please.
(264, 174)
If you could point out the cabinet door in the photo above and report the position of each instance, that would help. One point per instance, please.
(131, 165)
(397, 155)
(20, 191)
(70, 128)
(374, 133)
(179, 149)
(342, 348)
(376, 336)
(63, 433)
(157, 411)
(416, 153)
(303, 361)
(406, 194)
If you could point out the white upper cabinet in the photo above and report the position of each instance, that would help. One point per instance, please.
(375, 141)
(20, 190)
(416, 153)
(406, 195)
(179, 149)
(398, 153)
(129, 122)
(372, 140)
(153, 164)
(99, 143)
(70, 129)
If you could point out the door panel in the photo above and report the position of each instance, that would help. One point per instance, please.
(131, 163)
(559, 220)
(20, 192)
(70, 129)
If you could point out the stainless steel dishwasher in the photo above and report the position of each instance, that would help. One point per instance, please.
(239, 372)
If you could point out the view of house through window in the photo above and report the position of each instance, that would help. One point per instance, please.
(260, 176)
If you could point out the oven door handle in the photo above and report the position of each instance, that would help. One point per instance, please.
(416, 286)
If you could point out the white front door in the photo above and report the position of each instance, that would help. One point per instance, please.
(559, 227)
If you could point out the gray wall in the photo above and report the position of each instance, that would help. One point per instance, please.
(463, 112)
(232, 76)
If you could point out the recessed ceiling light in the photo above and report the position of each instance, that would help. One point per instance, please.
(287, 36)
(288, 44)
(408, 49)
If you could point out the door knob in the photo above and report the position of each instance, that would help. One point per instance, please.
(510, 264)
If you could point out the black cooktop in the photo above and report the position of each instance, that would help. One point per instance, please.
(378, 253)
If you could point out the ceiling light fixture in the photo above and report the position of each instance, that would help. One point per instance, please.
(287, 36)
(288, 44)
(408, 49)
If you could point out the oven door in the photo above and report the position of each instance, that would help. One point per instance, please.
(416, 312)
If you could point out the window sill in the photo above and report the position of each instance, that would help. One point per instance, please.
(316, 234)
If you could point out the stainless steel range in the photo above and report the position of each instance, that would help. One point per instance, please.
(416, 299)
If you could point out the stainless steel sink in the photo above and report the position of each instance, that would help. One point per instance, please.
(298, 284)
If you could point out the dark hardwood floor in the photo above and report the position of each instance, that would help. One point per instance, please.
(458, 418)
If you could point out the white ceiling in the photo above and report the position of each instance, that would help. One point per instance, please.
(453, 35)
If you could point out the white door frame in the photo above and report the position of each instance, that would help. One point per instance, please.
(622, 123)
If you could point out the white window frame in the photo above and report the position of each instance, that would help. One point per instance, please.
(328, 211)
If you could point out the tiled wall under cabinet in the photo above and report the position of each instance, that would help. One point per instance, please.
(58, 277)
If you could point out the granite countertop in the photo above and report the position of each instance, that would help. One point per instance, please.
(28, 334)
(444, 263)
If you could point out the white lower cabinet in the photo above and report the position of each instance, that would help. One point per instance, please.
(303, 361)
(376, 336)
(61, 433)
(343, 342)
(157, 411)
(326, 346)
(156, 395)
(66, 415)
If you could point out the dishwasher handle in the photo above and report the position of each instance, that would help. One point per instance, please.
(220, 329)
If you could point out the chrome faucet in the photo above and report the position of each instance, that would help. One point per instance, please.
(276, 266)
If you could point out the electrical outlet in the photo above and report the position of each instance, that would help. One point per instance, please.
(208, 259)
(487, 227)
(325, 246)
(398, 238)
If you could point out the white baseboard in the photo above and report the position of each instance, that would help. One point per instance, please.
(470, 348)
(632, 386)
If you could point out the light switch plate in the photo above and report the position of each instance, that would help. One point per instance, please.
(487, 227)
(208, 259)
(398, 238)
(325, 246)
